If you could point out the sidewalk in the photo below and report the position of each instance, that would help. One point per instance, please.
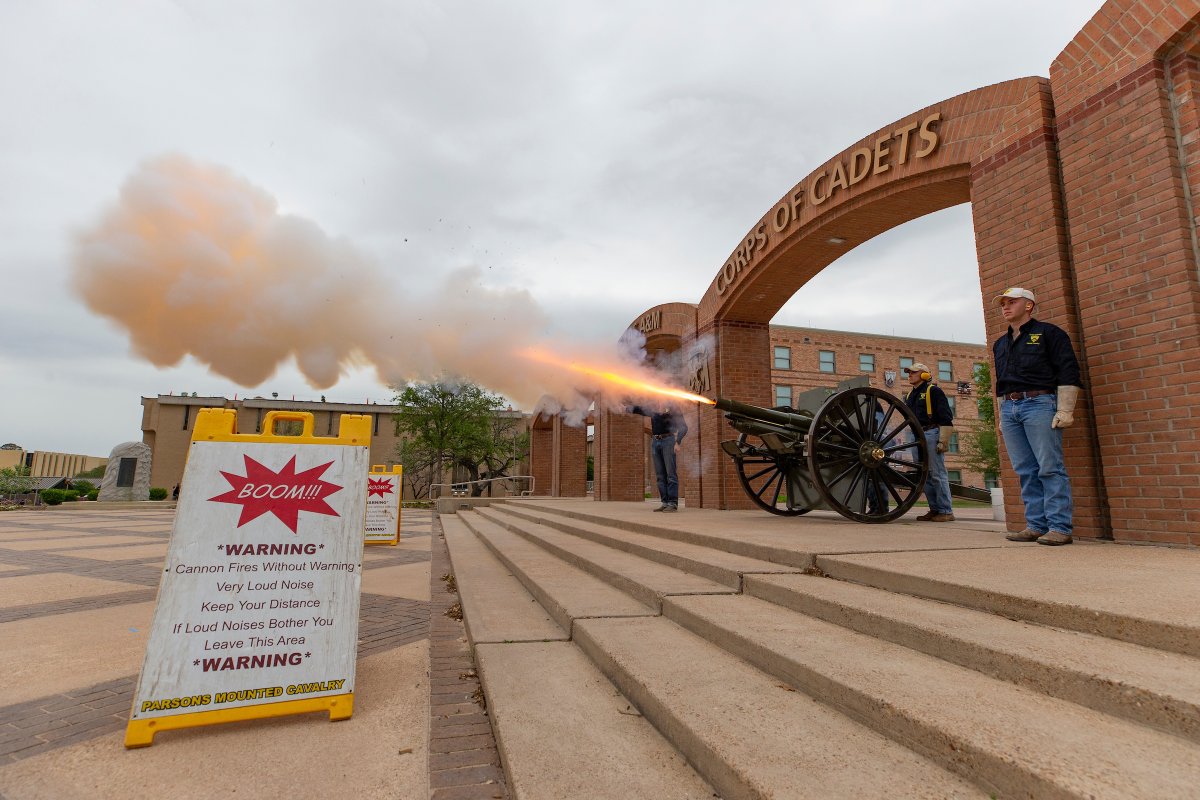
(77, 591)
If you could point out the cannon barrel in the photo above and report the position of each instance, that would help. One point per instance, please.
(749, 411)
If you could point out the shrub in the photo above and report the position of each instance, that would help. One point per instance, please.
(83, 487)
(94, 494)
(70, 495)
(53, 497)
(158, 493)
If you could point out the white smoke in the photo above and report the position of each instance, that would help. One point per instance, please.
(195, 260)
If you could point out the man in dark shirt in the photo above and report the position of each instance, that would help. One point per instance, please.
(667, 429)
(929, 403)
(1037, 382)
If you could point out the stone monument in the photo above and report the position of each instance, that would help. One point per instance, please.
(127, 476)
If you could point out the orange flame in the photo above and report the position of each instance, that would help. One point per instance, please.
(607, 376)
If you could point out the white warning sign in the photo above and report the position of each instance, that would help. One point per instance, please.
(383, 505)
(260, 590)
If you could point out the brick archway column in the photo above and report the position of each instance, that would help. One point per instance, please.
(618, 453)
(541, 455)
(570, 462)
(1128, 133)
(740, 370)
(1020, 237)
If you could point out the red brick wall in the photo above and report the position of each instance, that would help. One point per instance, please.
(1127, 135)
(570, 464)
(541, 456)
(618, 447)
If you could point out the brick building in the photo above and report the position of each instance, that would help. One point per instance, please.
(808, 358)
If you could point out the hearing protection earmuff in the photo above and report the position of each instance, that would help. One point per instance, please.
(925, 376)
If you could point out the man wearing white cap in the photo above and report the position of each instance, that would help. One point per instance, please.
(1037, 382)
(928, 402)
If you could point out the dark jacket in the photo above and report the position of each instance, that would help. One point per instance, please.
(663, 422)
(1040, 358)
(937, 403)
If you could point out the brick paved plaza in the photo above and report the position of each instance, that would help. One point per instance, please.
(77, 592)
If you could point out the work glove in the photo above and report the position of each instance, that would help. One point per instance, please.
(1067, 397)
(944, 434)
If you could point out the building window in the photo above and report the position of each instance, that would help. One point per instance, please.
(826, 361)
(905, 363)
(945, 371)
(953, 410)
(783, 358)
(955, 475)
(952, 447)
(991, 480)
(187, 415)
(783, 396)
(866, 362)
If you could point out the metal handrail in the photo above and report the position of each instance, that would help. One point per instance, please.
(455, 491)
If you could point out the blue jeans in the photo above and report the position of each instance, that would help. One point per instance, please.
(663, 451)
(937, 485)
(1035, 450)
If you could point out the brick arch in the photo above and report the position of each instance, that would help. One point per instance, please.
(790, 243)
(996, 149)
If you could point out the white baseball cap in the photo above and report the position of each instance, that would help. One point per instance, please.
(1015, 292)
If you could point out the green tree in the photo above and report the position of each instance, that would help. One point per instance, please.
(980, 448)
(15, 481)
(450, 423)
(94, 472)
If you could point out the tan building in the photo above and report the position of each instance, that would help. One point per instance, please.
(167, 422)
(43, 463)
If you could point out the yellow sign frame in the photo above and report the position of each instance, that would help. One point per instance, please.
(398, 471)
(220, 425)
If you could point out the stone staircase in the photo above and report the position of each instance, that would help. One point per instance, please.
(639, 659)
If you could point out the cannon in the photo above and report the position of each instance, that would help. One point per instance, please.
(861, 452)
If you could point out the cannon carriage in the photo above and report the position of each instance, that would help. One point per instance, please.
(857, 450)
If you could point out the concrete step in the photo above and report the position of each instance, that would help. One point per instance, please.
(1030, 584)
(776, 547)
(644, 580)
(1008, 739)
(718, 565)
(496, 607)
(1152, 687)
(564, 731)
(749, 734)
(566, 592)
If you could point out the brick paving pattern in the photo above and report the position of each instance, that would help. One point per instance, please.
(464, 763)
(54, 721)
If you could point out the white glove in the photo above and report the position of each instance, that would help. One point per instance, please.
(944, 434)
(1065, 416)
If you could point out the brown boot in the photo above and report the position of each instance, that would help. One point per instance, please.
(928, 515)
(1027, 535)
(942, 518)
(1054, 538)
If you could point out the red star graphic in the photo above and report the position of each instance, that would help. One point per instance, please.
(285, 493)
(380, 487)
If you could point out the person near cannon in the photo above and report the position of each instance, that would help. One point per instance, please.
(928, 402)
(1038, 383)
(667, 429)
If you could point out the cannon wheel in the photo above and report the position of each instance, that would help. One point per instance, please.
(864, 446)
(765, 475)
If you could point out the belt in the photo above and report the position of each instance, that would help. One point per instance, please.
(663, 435)
(1028, 394)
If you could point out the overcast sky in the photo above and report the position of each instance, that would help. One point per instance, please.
(603, 156)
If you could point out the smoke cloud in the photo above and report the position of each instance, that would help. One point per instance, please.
(195, 260)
